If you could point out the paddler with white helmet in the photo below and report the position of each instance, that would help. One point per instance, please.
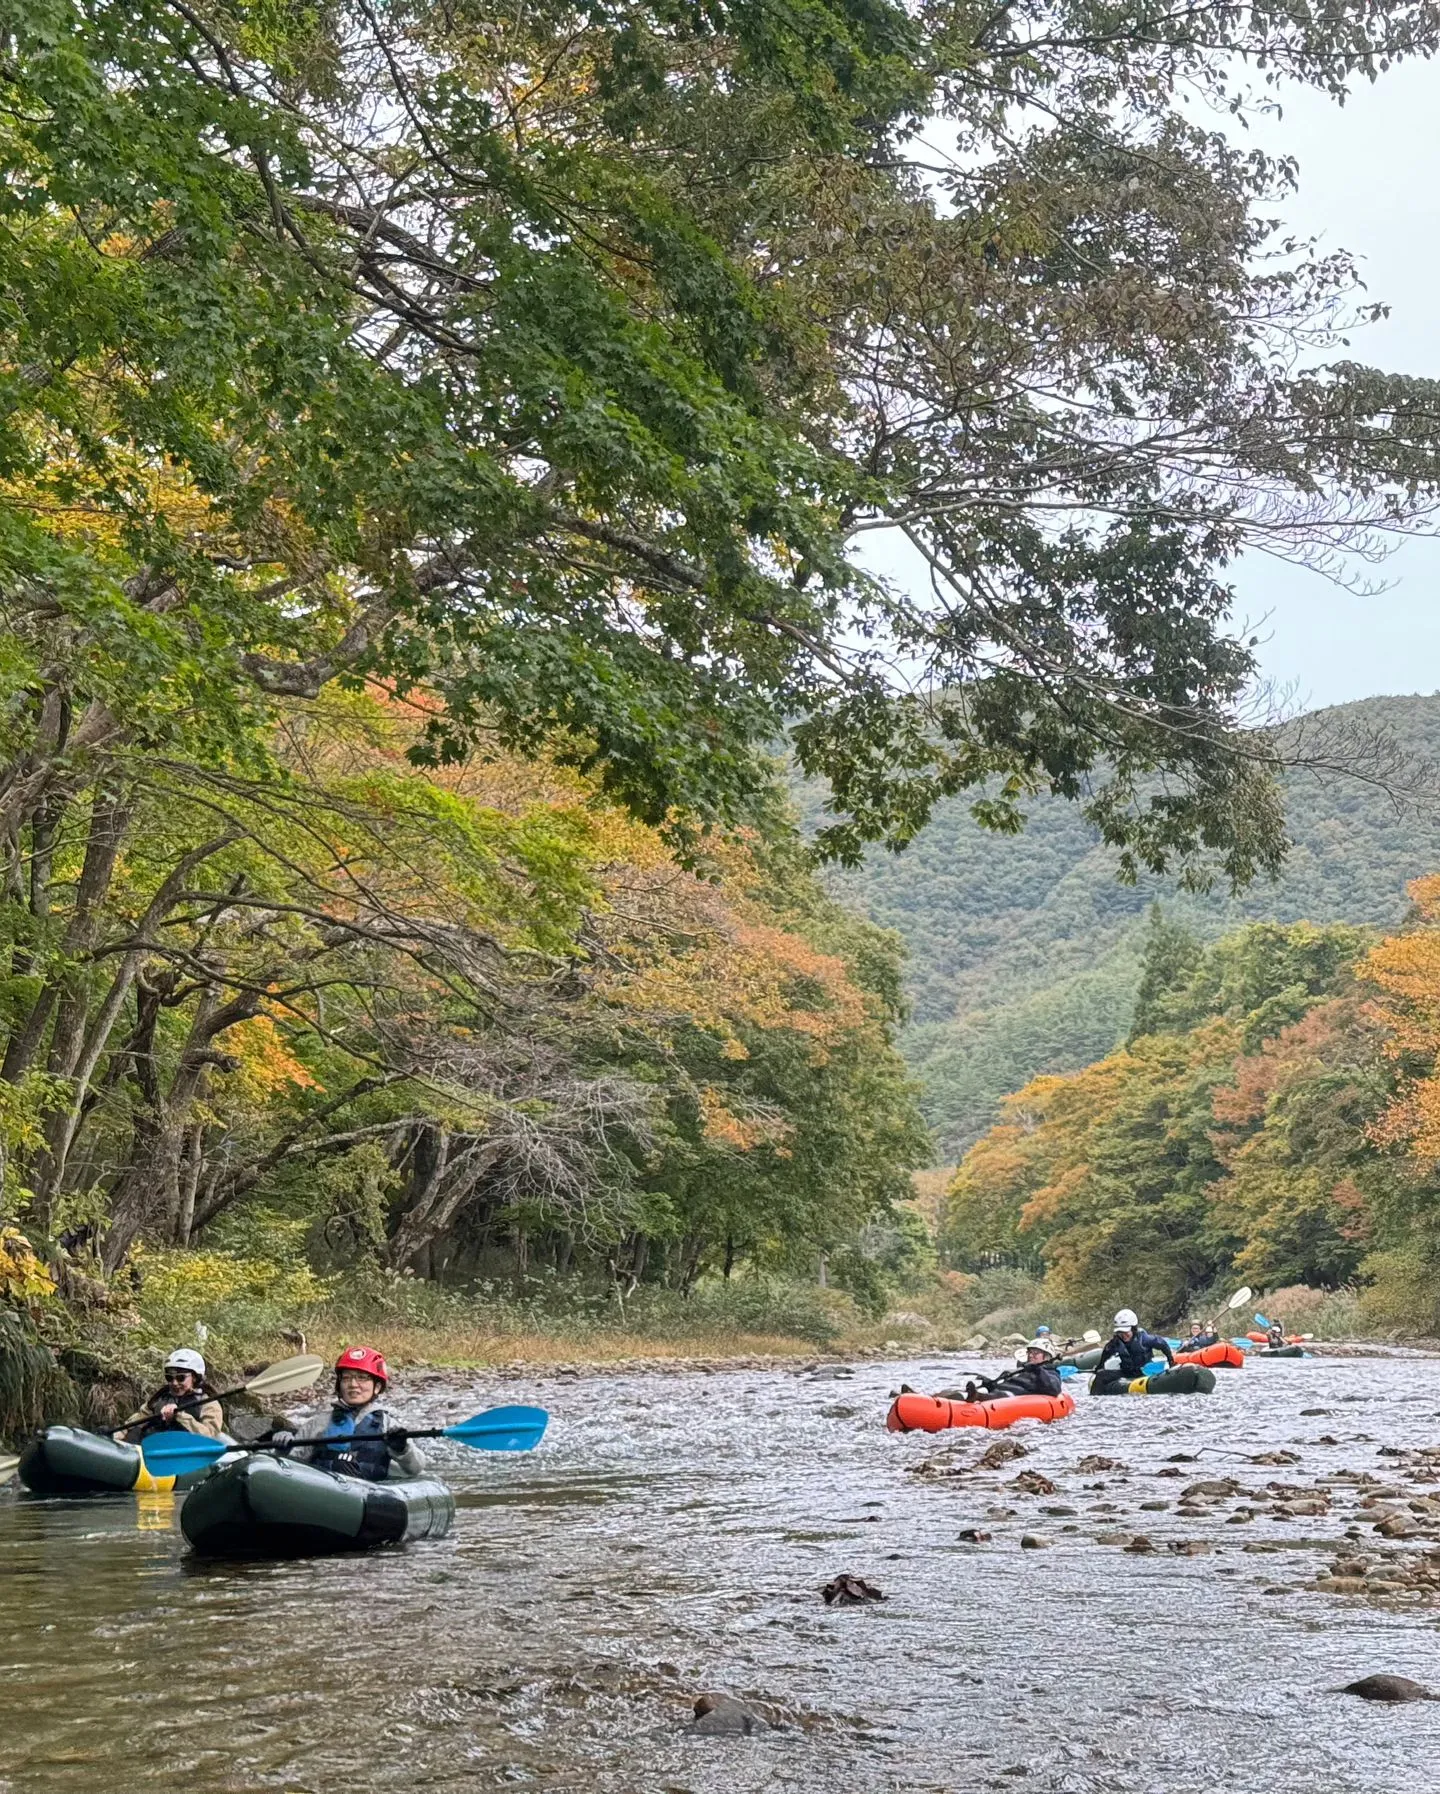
(183, 1403)
(1128, 1350)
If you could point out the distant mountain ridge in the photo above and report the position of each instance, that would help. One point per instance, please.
(1025, 949)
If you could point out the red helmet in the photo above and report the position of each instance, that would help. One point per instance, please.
(364, 1358)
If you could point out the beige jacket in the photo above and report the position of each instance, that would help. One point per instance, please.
(208, 1419)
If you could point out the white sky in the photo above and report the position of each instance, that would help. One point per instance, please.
(1369, 183)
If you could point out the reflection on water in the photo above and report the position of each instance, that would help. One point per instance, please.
(672, 1535)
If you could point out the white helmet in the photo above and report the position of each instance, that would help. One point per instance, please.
(182, 1358)
(1039, 1344)
(1127, 1317)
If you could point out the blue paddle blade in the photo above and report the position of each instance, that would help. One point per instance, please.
(1260, 1321)
(178, 1453)
(501, 1429)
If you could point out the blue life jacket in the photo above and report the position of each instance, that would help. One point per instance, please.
(365, 1454)
(1135, 1352)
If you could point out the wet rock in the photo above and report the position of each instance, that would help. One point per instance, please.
(1217, 1488)
(1188, 1547)
(1031, 1482)
(1184, 1457)
(1397, 1526)
(1241, 1517)
(1139, 1545)
(1170, 1470)
(1060, 1512)
(1094, 1464)
(722, 1716)
(850, 1591)
(1001, 1453)
(1032, 1541)
(1000, 1513)
(1154, 1507)
(1276, 1457)
(975, 1535)
(1388, 1688)
(1112, 1538)
(1310, 1412)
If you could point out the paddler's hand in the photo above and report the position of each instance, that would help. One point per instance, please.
(399, 1442)
(282, 1441)
(167, 1413)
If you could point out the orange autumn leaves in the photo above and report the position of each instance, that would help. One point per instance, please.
(1406, 971)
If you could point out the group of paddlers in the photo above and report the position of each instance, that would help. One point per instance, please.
(1121, 1359)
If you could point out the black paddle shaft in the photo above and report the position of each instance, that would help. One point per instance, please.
(134, 1434)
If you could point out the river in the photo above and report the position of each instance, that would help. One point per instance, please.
(671, 1536)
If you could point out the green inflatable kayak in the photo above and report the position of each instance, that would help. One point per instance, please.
(62, 1460)
(1083, 1360)
(264, 1506)
(1185, 1379)
(1285, 1351)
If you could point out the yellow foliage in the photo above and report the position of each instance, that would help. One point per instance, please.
(1406, 970)
(178, 1287)
(266, 1063)
(24, 1280)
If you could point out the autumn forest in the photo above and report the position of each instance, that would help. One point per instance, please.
(449, 706)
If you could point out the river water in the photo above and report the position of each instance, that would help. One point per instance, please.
(671, 1536)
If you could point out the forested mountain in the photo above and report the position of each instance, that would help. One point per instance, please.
(1025, 949)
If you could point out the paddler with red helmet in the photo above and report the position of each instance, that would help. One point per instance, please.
(374, 1443)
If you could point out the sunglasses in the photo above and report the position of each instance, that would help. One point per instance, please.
(178, 1376)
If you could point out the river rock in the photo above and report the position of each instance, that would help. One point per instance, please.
(975, 1535)
(1001, 1453)
(1094, 1464)
(1388, 1688)
(1397, 1526)
(722, 1716)
(1140, 1545)
(1154, 1507)
(1032, 1541)
(1030, 1482)
(1188, 1547)
(849, 1591)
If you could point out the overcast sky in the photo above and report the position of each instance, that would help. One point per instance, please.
(1370, 183)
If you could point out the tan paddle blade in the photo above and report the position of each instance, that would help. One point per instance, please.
(1090, 1336)
(8, 1467)
(288, 1374)
(1241, 1297)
